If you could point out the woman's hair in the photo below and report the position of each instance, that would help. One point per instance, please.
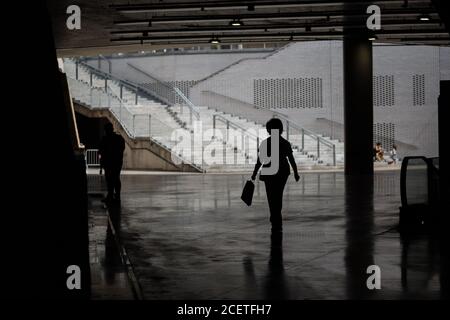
(274, 123)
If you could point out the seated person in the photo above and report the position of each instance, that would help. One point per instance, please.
(393, 154)
(379, 152)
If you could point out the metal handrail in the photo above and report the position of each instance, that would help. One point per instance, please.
(275, 113)
(122, 103)
(309, 133)
(109, 76)
(132, 134)
(189, 103)
(298, 127)
(229, 124)
(100, 57)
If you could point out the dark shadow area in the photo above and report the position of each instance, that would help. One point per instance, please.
(359, 226)
(90, 130)
(423, 259)
(112, 260)
(52, 213)
(275, 286)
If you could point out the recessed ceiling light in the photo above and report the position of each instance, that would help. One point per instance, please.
(236, 23)
(424, 17)
(214, 40)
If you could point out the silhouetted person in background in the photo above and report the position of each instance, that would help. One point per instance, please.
(111, 151)
(275, 182)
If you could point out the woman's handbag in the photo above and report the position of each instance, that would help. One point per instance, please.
(247, 193)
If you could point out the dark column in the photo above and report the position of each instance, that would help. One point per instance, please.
(358, 107)
(46, 199)
(359, 225)
(444, 119)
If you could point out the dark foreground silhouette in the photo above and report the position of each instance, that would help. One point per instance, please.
(111, 151)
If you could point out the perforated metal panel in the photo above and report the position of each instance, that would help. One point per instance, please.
(166, 90)
(288, 93)
(419, 89)
(384, 133)
(383, 91)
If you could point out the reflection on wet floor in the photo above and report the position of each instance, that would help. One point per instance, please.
(191, 237)
(109, 276)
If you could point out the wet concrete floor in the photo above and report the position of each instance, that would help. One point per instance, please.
(191, 237)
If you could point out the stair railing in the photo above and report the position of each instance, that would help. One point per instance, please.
(171, 89)
(244, 133)
(305, 132)
(108, 98)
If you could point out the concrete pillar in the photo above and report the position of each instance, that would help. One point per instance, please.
(358, 105)
(444, 157)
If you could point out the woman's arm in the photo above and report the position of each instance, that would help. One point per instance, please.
(294, 166)
(257, 166)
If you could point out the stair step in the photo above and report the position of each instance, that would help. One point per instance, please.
(166, 119)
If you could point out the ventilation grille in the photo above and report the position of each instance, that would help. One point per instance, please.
(419, 89)
(385, 134)
(288, 93)
(167, 92)
(383, 91)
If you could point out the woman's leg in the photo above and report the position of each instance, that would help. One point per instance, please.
(274, 190)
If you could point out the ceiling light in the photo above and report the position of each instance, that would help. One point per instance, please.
(236, 23)
(424, 17)
(214, 40)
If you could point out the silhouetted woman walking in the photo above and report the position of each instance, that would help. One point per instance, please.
(275, 171)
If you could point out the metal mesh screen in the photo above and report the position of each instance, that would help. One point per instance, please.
(383, 90)
(385, 134)
(288, 93)
(419, 89)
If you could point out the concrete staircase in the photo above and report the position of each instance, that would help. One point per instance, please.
(242, 158)
(144, 119)
(193, 141)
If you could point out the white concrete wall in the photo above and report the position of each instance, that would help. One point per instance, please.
(414, 125)
(176, 67)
